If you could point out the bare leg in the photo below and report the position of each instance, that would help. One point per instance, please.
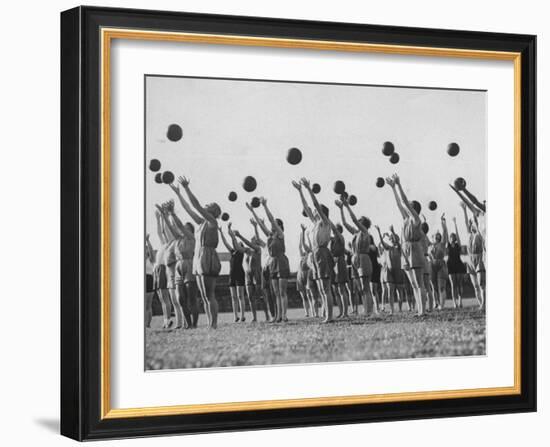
(164, 297)
(191, 297)
(442, 283)
(325, 286)
(240, 297)
(234, 304)
(283, 286)
(343, 289)
(209, 284)
(278, 304)
(391, 293)
(204, 297)
(339, 300)
(312, 303)
(417, 283)
(148, 308)
(183, 301)
(453, 278)
(251, 294)
(305, 303)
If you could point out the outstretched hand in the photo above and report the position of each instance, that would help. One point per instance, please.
(184, 181)
(396, 179)
(263, 200)
(303, 227)
(338, 203)
(253, 222)
(390, 181)
(443, 218)
(296, 185)
(306, 183)
(249, 206)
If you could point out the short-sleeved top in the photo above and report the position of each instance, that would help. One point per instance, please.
(360, 243)
(276, 245)
(337, 246)
(320, 234)
(208, 235)
(412, 231)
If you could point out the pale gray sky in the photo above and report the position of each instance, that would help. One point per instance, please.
(234, 128)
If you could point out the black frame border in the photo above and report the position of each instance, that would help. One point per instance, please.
(81, 223)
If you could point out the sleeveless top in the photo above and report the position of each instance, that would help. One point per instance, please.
(412, 232)
(275, 245)
(337, 247)
(252, 260)
(455, 250)
(360, 243)
(475, 246)
(437, 251)
(184, 247)
(236, 261)
(320, 234)
(208, 235)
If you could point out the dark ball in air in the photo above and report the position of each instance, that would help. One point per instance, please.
(388, 148)
(294, 156)
(225, 217)
(416, 206)
(425, 227)
(432, 205)
(174, 132)
(154, 165)
(453, 149)
(232, 196)
(167, 177)
(352, 200)
(460, 183)
(158, 177)
(339, 187)
(316, 188)
(394, 158)
(249, 183)
(255, 202)
(380, 182)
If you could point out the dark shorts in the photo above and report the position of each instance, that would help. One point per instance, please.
(340, 270)
(208, 262)
(392, 276)
(160, 281)
(279, 268)
(148, 283)
(439, 270)
(323, 263)
(266, 278)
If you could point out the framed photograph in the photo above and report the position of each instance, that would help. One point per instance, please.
(276, 223)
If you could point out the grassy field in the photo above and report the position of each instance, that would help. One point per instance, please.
(403, 335)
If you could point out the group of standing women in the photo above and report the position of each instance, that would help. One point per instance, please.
(413, 269)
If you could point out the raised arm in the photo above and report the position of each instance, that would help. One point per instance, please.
(192, 214)
(474, 200)
(456, 232)
(358, 224)
(395, 236)
(464, 199)
(169, 235)
(177, 223)
(247, 242)
(307, 209)
(195, 202)
(259, 222)
(258, 238)
(150, 253)
(386, 246)
(224, 240)
(236, 245)
(274, 223)
(390, 182)
(463, 206)
(445, 236)
(346, 225)
(301, 244)
(160, 232)
(405, 202)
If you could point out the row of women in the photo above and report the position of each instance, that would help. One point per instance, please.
(414, 269)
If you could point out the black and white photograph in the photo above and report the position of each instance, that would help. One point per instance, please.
(300, 222)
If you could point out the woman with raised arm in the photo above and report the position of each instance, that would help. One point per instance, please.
(340, 280)
(252, 271)
(185, 274)
(160, 277)
(236, 274)
(353, 282)
(391, 269)
(207, 263)
(265, 279)
(301, 275)
(361, 260)
(278, 266)
(439, 273)
(475, 265)
(455, 266)
(149, 291)
(413, 249)
(183, 278)
(311, 285)
(323, 261)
